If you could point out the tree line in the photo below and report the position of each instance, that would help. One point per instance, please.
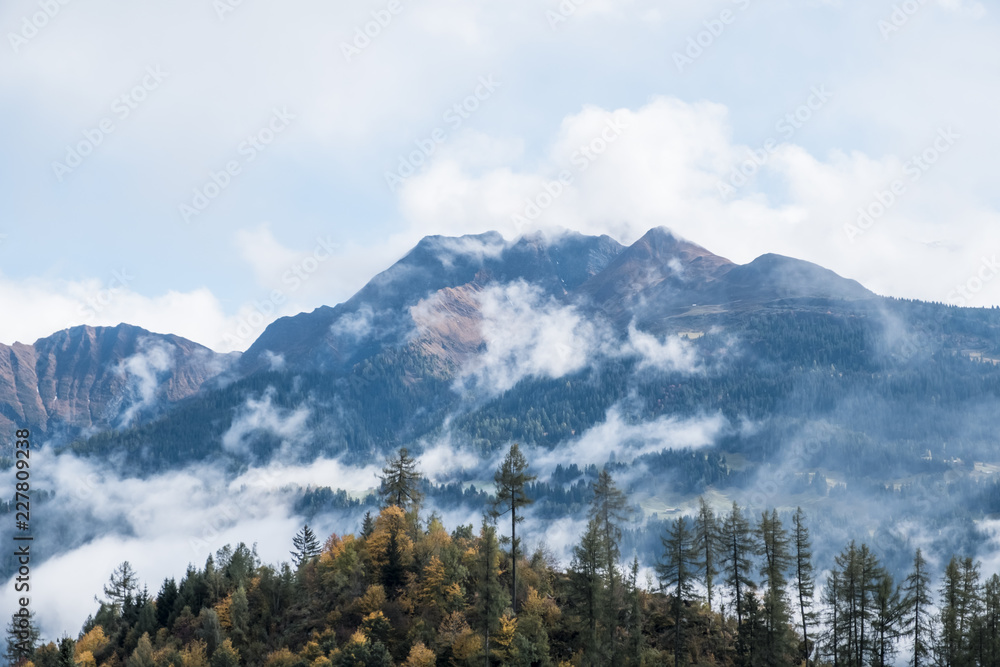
(728, 589)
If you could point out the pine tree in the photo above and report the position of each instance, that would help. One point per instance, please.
(587, 593)
(511, 481)
(677, 571)
(491, 598)
(917, 606)
(306, 546)
(706, 544)
(400, 481)
(804, 579)
(609, 508)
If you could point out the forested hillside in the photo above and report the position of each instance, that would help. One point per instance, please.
(727, 589)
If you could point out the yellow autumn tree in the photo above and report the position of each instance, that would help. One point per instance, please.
(194, 654)
(93, 642)
(432, 584)
(85, 659)
(504, 639)
(420, 656)
(373, 600)
(391, 548)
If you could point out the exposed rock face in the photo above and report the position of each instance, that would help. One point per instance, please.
(96, 378)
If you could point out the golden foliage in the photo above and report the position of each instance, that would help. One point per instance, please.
(85, 659)
(193, 654)
(390, 524)
(373, 599)
(544, 608)
(222, 611)
(420, 656)
(281, 658)
(92, 642)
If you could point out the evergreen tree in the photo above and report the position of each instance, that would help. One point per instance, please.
(609, 508)
(491, 598)
(400, 481)
(165, 602)
(306, 546)
(917, 610)
(22, 636)
(774, 545)
(706, 544)
(804, 579)
(511, 482)
(586, 578)
(677, 571)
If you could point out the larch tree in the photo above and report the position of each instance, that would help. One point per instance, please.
(400, 481)
(490, 596)
(918, 610)
(804, 579)
(737, 548)
(511, 479)
(776, 561)
(587, 591)
(706, 544)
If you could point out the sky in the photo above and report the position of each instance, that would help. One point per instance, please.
(201, 167)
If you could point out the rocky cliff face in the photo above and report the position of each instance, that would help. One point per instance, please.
(88, 378)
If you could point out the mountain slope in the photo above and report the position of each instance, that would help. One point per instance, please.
(88, 378)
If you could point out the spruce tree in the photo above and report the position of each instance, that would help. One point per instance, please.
(677, 571)
(491, 598)
(511, 480)
(306, 546)
(587, 592)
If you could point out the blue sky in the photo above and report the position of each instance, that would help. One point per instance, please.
(292, 133)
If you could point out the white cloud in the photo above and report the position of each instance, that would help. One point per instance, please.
(142, 370)
(261, 415)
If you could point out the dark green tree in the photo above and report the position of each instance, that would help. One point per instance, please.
(22, 636)
(511, 480)
(306, 546)
(587, 592)
(491, 598)
(400, 481)
(677, 571)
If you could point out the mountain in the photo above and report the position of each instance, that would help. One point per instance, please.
(776, 383)
(90, 379)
